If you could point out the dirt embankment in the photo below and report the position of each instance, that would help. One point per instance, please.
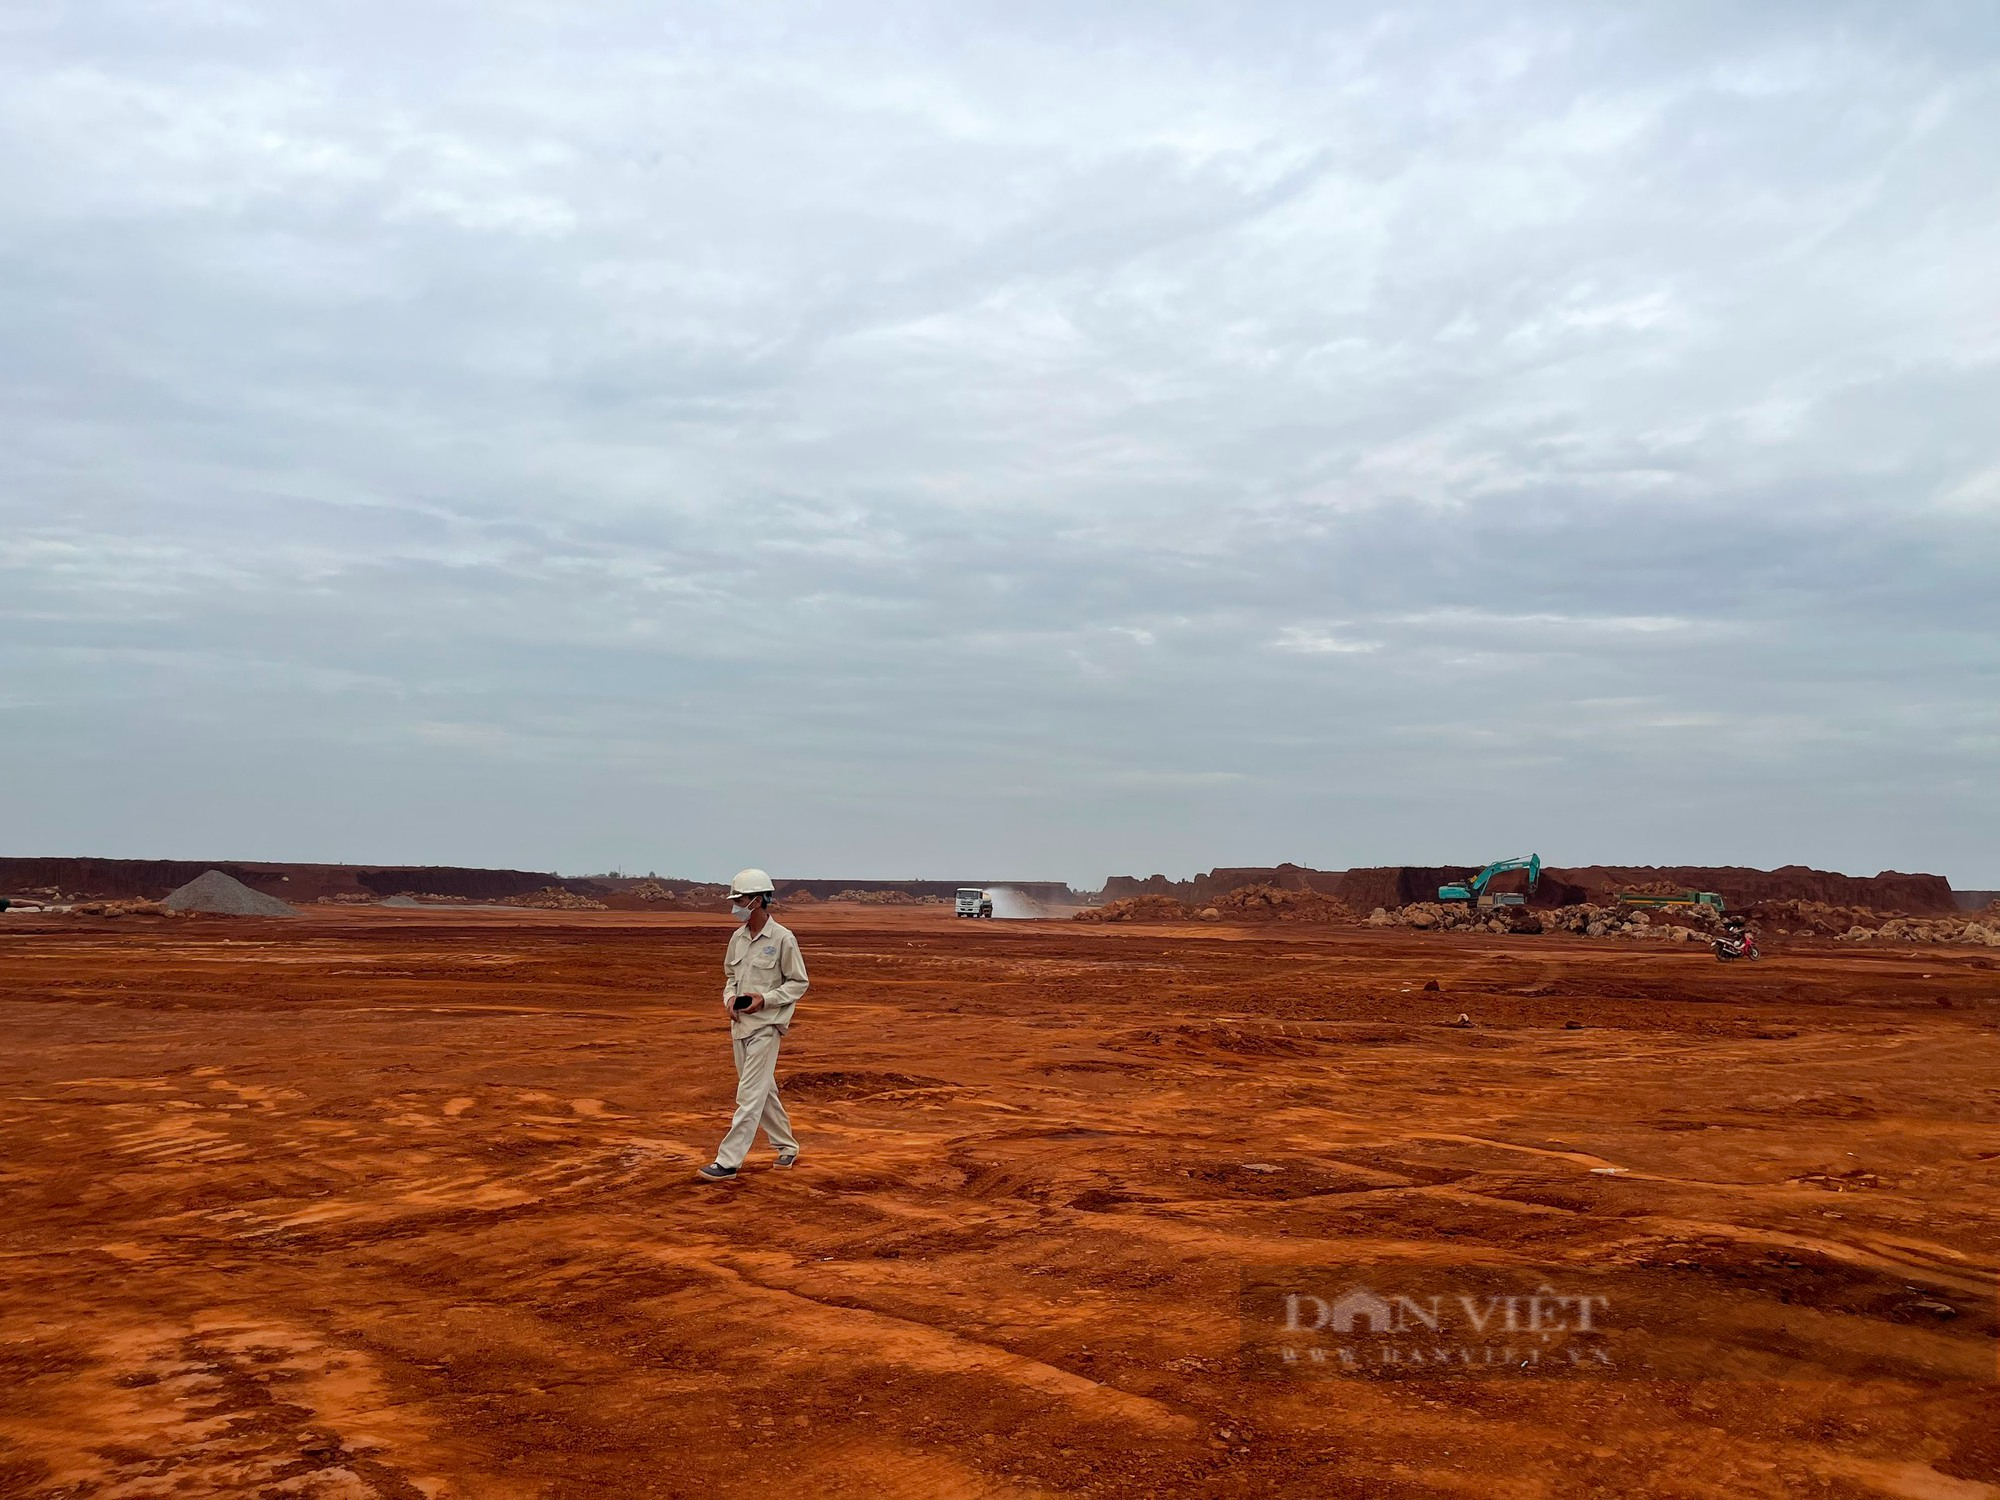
(147, 879)
(1360, 890)
(1043, 892)
(1890, 891)
(1400, 885)
(449, 880)
(152, 879)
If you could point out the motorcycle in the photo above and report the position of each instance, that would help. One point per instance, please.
(1730, 946)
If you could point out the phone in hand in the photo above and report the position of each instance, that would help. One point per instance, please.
(742, 1002)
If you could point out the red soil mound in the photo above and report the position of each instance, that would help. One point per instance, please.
(1136, 909)
(1271, 903)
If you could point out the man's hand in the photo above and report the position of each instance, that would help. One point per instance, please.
(756, 1004)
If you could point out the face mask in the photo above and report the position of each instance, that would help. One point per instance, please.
(741, 913)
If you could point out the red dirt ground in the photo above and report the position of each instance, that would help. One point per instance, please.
(376, 1203)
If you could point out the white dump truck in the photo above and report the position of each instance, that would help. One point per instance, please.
(973, 901)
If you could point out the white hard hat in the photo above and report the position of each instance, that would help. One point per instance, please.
(751, 883)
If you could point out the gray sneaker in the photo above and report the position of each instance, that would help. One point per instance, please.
(788, 1158)
(715, 1171)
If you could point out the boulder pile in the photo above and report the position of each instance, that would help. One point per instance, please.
(1675, 924)
(1681, 924)
(1272, 903)
(554, 898)
(1584, 920)
(651, 895)
(1981, 929)
(1811, 918)
(1136, 909)
(1456, 916)
(1858, 924)
(1249, 903)
(704, 898)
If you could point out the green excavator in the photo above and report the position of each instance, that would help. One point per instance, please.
(1474, 890)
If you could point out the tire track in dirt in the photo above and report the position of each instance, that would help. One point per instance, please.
(220, 1405)
(849, 1333)
(453, 1152)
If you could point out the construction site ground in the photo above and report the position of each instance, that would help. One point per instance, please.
(400, 1203)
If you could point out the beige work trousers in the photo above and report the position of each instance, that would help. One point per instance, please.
(757, 1101)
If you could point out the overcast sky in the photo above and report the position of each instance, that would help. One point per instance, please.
(1016, 440)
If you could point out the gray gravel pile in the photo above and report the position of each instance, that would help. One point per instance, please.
(226, 897)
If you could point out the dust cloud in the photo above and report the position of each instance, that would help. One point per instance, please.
(1014, 906)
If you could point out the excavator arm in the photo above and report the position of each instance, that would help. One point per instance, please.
(1473, 888)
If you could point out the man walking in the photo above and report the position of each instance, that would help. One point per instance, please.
(763, 976)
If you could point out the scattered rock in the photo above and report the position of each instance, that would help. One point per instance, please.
(1432, 984)
(1572, 1026)
(1463, 1020)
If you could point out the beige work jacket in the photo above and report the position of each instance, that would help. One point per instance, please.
(770, 965)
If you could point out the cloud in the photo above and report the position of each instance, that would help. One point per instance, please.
(1459, 619)
(1308, 641)
(908, 441)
